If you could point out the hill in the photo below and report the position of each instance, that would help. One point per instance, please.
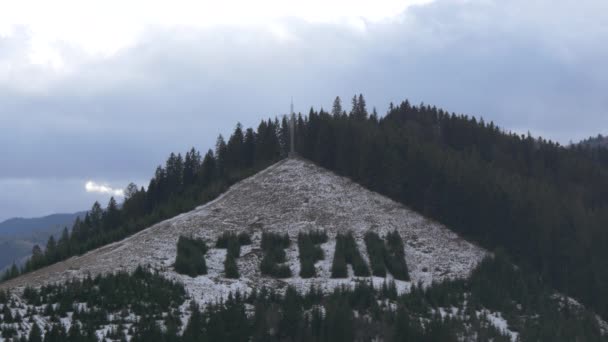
(539, 205)
(19, 235)
(19, 226)
(289, 197)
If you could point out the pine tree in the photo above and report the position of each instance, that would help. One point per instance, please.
(234, 149)
(190, 259)
(231, 269)
(221, 155)
(63, 245)
(347, 252)
(111, 216)
(50, 253)
(336, 110)
(209, 168)
(35, 334)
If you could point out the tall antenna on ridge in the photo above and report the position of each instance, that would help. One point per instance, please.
(292, 129)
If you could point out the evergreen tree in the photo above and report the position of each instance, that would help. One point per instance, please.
(221, 152)
(336, 110)
(310, 252)
(35, 334)
(347, 252)
(50, 253)
(190, 258)
(274, 245)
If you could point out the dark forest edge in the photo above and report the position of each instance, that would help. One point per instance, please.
(542, 202)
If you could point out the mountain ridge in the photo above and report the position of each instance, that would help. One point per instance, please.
(19, 235)
(27, 225)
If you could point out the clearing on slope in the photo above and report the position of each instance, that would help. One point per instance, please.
(290, 197)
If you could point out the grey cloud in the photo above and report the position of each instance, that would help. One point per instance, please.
(537, 66)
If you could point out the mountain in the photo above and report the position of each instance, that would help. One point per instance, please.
(538, 206)
(292, 197)
(19, 235)
(27, 226)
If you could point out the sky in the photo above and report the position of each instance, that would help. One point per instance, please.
(95, 94)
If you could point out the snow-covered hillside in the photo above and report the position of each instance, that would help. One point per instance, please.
(291, 196)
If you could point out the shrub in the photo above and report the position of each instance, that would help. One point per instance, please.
(232, 243)
(274, 245)
(347, 252)
(395, 256)
(234, 247)
(4, 296)
(310, 252)
(231, 269)
(190, 258)
(244, 239)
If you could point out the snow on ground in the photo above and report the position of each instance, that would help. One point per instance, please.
(496, 319)
(575, 304)
(291, 196)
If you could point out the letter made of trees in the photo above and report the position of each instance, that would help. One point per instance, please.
(385, 255)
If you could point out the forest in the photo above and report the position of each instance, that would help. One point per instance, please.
(544, 204)
(144, 306)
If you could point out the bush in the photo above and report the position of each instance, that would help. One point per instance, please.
(232, 243)
(338, 266)
(395, 256)
(244, 239)
(275, 240)
(190, 258)
(274, 245)
(222, 240)
(310, 252)
(234, 247)
(347, 252)
(4, 296)
(377, 253)
(231, 269)
(318, 236)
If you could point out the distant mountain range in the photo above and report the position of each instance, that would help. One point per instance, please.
(19, 235)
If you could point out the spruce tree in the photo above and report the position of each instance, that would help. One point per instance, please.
(35, 333)
(336, 109)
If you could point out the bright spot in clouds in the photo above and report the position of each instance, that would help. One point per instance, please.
(91, 186)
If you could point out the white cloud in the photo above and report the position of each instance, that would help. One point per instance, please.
(91, 186)
(105, 27)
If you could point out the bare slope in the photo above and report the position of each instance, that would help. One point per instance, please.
(290, 196)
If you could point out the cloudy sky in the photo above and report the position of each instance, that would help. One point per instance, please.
(95, 94)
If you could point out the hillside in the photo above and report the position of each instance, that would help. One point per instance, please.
(291, 196)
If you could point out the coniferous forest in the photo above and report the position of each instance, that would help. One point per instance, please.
(543, 203)
(144, 306)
